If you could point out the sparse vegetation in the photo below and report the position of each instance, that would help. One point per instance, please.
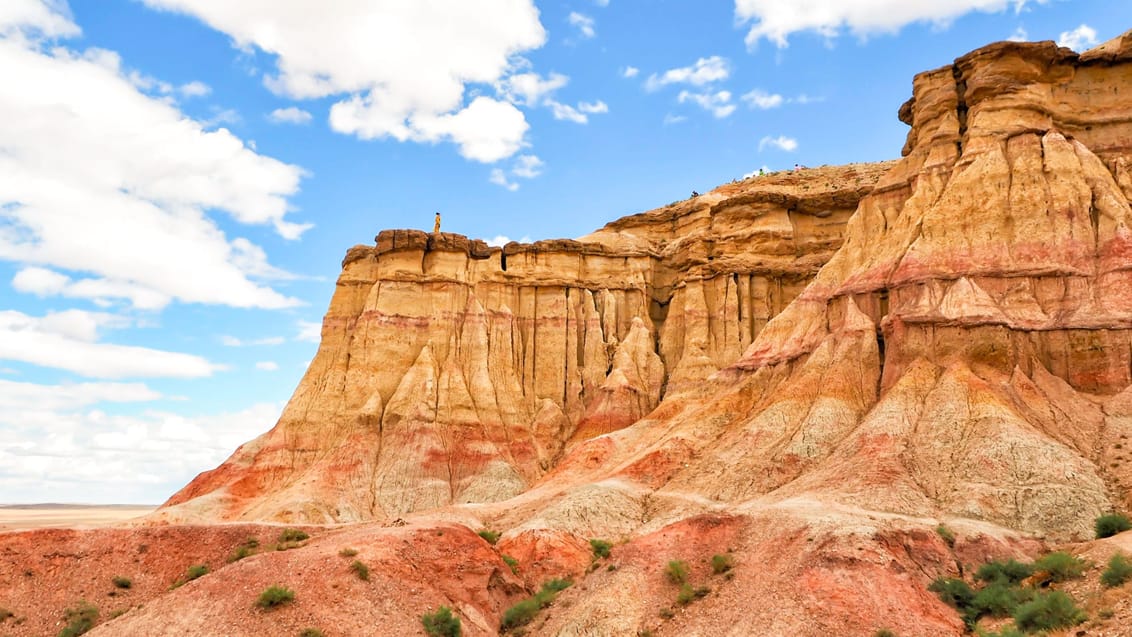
(522, 613)
(273, 596)
(721, 563)
(245, 549)
(686, 594)
(1118, 572)
(5, 614)
(80, 618)
(600, 548)
(195, 571)
(954, 592)
(1047, 611)
(360, 569)
(312, 632)
(1060, 566)
(512, 563)
(666, 613)
(347, 552)
(884, 632)
(491, 537)
(947, 534)
(1111, 524)
(121, 582)
(676, 571)
(442, 623)
(293, 535)
(1008, 572)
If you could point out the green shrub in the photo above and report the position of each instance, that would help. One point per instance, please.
(1008, 572)
(556, 585)
(997, 599)
(677, 571)
(666, 613)
(512, 563)
(520, 614)
(721, 563)
(293, 535)
(442, 623)
(361, 570)
(240, 553)
(195, 571)
(1111, 524)
(274, 596)
(347, 553)
(121, 582)
(490, 536)
(1061, 566)
(947, 534)
(1118, 572)
(954, 592)
(600, 548)
(80, 618)
(312, 632)
(1048, 611)
(686, 594)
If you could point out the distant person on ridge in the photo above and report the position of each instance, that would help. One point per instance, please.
(436, 224)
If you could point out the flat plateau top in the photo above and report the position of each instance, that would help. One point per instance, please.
(35, 516)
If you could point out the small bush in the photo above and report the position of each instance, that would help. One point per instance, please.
(1061, 566)
(520, 614)
(122, 582)
(677, 571)
(556, 585)
(997, 599)
(312, 632)
(721, 563)
(361, 570)
(686, 594)
(1008, 572)
(442, 623)
(347, 553)
(293, 535)
(947, 534)
(490, 536)
(1048, 611)
(240, 553)
(1118, 572)
(80, 618)
(600, 548)
(253, 543)
(954, 592)
(512, 563)
(274, 596)
(666, 613)
(195, 571)
(1111, 524)
(703, 591)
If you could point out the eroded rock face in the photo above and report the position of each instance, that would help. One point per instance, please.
(453, 372)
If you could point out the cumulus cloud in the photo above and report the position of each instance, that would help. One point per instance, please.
(718, 103)
(69, 341)
(584, 24)
(36, 17)
(704, 71)
(56, 442)
(1019, 35)
(762, 100)
(117, 188)
(782, 142)
(776, 20)
(289, 115)
(194, 89)
(524, 167)
(532, 89)
(499, 240)
(499, 177)
(396, 71)
(630, 71)
(1078, 39)
(309, 332)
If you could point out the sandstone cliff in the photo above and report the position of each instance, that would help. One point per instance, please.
(451, 372)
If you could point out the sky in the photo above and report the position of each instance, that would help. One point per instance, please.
(180, 179)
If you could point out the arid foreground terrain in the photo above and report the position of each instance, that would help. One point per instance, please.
(785, 407)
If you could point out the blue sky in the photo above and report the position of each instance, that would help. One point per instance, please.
(179, 179)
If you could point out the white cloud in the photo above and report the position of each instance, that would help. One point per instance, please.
(1078, 39)
(527, 166)
(499, 240)
(267, 366)
(530, 89)
(194, 89)
(68, 341)
(43, 282)
(593, 108)
(781, 142)
(36, 17)
(566, 112)
(309, 332)
(602, 3)
(1019, 35)
(584, 24)
(232, 341)
(396, 70)
(762, 100)
(118, 188)
(630, 71)
(704, 71)
(718, 103)
(499, 178)
(670, 119)
(776, 20)
(289, 115)
(53, 445)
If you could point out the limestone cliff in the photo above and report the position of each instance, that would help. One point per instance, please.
(450, 371)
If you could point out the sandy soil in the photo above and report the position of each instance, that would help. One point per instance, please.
(36, 516)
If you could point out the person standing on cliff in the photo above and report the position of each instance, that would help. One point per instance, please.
(436, 224)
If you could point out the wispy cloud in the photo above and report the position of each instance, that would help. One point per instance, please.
(782, 142)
